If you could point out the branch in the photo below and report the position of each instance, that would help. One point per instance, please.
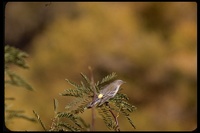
(39, 120)
(115, 117)
(94, 90)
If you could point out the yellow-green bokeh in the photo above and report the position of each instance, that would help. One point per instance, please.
(151, 46)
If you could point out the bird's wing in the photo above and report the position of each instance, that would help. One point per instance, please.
(95, 101)
(104, 100)
(107, 90)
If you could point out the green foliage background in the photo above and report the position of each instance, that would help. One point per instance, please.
(151, 46)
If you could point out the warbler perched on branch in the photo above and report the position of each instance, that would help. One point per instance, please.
(109, 91)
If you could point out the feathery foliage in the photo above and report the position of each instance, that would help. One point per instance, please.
(107, 117)
(64, 121)
(14, 56)
(84, 94)
(17, 80)
(108, 78)
(17, 114)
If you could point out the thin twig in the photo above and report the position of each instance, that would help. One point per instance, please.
(39, 120)
(94, 90)
(115, 117)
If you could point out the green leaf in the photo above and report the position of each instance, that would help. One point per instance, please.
(72, 83)
(15, 56)
(81, 107)
(73, 103)
(70, 116)
(121, 96)
(108, 78)
(17, 81)
(107, 117)
(72, 92)
(16, 114)
(128, 117)
(68, 126)
(86, 78)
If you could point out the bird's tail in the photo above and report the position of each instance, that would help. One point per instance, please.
(95, 101)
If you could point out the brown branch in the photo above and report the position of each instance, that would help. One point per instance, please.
(94, 90)
(115, 117)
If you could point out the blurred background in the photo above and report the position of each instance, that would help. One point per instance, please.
(151, 46)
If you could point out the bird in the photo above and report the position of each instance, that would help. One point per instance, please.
(109, 91)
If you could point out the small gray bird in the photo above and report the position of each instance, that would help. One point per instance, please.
(109, 91)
